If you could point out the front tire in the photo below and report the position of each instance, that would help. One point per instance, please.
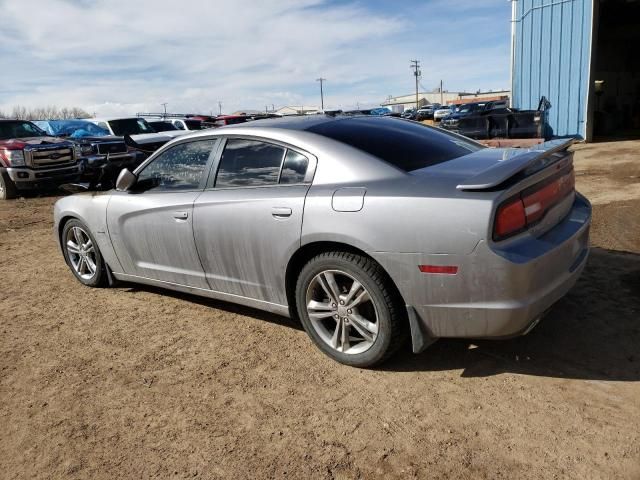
(82, 254)
(8, 189)
(350, 309)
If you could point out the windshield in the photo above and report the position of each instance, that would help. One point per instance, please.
(407, 145)
(19, 129)
(130, 126)
(470, 107)
(72, 128)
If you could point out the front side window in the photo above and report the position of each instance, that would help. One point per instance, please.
(181, 167)
(249, 163)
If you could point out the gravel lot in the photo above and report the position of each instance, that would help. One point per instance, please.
(134, 382)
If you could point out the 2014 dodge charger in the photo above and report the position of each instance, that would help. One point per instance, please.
(368, 229)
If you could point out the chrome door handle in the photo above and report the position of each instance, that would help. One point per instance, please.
(180, 215)
(281, 212)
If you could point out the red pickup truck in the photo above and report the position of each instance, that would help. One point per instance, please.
(30, 159)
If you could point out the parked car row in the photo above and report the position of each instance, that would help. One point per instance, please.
(41, 153)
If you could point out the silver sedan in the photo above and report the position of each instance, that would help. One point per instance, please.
(369, 230)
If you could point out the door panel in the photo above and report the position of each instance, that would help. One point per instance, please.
(245, 237)
(151, 227)
(152, 234)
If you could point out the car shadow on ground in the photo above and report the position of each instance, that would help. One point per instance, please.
(217, 304)
(593, 333)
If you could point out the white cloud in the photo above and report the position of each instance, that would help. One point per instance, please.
(123, 56)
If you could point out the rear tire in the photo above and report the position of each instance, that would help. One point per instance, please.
(8, 189)
(350, 309)
(82, 254)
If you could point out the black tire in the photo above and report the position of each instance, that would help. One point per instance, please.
(392, 324)
(8, 189)
(100, 277)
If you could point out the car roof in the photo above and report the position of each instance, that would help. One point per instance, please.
(307, 122)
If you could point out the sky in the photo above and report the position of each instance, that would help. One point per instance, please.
(120, 57)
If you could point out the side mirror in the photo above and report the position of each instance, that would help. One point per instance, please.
(125, 180)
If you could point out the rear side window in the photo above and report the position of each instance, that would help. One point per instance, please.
(294, 168)
(249, 163)
(404, 144)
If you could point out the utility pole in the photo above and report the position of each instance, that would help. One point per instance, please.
(165, 109)
(219, 107)
(415, 65)
(441, 96)
(321, 80)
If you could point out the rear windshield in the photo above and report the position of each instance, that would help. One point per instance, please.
(130, 126)
(407, 145)
(162, 126)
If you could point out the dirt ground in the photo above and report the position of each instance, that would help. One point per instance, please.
(134, 382)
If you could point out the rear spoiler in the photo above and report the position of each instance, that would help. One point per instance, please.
(515, 161)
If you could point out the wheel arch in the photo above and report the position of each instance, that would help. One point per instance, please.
(306, 252)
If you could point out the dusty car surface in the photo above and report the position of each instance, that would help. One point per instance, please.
(368, 229)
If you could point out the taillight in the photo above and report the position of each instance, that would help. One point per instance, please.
(510, 219)
(531, 205)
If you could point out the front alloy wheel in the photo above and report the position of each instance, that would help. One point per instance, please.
(82, 254)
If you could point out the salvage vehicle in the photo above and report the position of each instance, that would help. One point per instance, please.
(30, 159)
(493, 120)
(442, 112)
(409, 113)
(468, 109)
(96, 146)
(426, 112)
(159, 124)
(367, 229)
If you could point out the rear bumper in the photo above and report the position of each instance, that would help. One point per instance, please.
(498, 292)
(30, 179)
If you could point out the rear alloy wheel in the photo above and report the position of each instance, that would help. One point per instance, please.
(8, 189)
(349, 308)
(82, 254)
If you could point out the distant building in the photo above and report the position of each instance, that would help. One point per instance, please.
(404, 102)
(582, 55)
(296, 110)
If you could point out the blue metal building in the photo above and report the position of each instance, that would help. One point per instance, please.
(579, 55)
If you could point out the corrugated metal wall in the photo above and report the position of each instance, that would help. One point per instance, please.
(551, 57)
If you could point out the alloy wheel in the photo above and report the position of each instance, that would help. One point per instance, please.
(81, 253)
(342, 312)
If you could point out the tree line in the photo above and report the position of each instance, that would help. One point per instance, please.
(50, 112)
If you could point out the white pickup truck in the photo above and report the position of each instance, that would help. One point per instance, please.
(137, 128)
